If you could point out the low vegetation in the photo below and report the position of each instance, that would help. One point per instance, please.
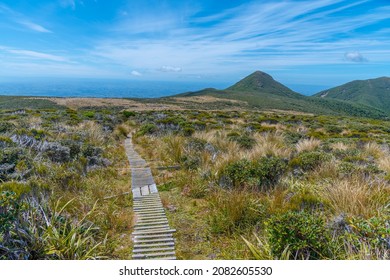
(235, 184)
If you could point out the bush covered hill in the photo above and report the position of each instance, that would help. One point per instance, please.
(251, 184)
(261, 91)
(372, 92)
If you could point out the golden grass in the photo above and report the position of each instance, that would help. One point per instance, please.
(269, 144)
(339, 146)
(373, 149)
(307, 145)
(384, 164)
(356, 196)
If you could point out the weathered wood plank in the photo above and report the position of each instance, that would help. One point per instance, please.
(153, 245)
(156, 249)
(152, 236)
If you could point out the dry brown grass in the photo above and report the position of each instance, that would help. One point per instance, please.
(340, 146)
(270, 144)
(384, 164)
(307, 145)
(356, 196)
(373, 149)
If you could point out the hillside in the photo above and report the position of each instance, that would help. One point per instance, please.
(261, 91)
(372, 92)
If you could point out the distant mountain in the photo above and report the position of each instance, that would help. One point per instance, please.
(261, 91)
(262, 82)
(372, 92)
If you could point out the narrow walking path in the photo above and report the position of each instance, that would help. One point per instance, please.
(152, 236)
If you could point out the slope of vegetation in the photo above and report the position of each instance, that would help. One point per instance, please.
(60, 172)
(17, 102)
(373, 92)
(271, 186)
(261, 91)
(235, 184)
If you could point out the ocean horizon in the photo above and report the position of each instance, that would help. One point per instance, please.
(101, 88)
(110, 88)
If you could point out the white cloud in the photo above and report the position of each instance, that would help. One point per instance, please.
(136, 73)
(34, 26)
(258, 35)
(354, 56)
(167, 68)
(22, 20)
(37, 55)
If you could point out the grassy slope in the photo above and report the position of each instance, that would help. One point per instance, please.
(373, 92)
(264, 100)
(18, 102)
(261, 91)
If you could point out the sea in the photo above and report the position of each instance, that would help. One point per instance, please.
(109, 88)
(102, 88)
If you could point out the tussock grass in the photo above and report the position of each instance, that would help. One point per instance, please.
(356, 196)
(339, 146)
(373, 149)
(307, 145)
(384, 164)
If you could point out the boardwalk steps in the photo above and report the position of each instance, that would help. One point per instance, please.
(152, 235)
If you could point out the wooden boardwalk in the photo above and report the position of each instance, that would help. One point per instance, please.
(152, 236)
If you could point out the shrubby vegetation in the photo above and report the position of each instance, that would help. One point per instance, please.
(56, 168)
(235, 184)
(308, 187)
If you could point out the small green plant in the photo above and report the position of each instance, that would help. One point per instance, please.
(262, 173)
(148, 128)
(128, 114)
(304, 234)
(89, 114)
(245, 141)
(9, 211)
(309, 160)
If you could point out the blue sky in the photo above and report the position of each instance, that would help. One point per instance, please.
(324, 42)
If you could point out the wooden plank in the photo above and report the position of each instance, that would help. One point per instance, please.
(139, 227)
(154, 235)
(136, 245)
(139, 232)
(147, 212)
(147, 207)
(157, 249)
(162, 254)
(151, 216)
(148, 228)
(147, 222)
(139, 221)
(154, 240)
(151, 223)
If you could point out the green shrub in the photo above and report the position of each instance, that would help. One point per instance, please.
(245, 141)
(128, 114)
(89, 114)
(9, 210)
(148, 128)
(262, 173)
(309, 160)
(268, 170)
(188, 130)
(6, 127)
(303, 234)
(347, 168)
(368, 234)
(238, 173)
